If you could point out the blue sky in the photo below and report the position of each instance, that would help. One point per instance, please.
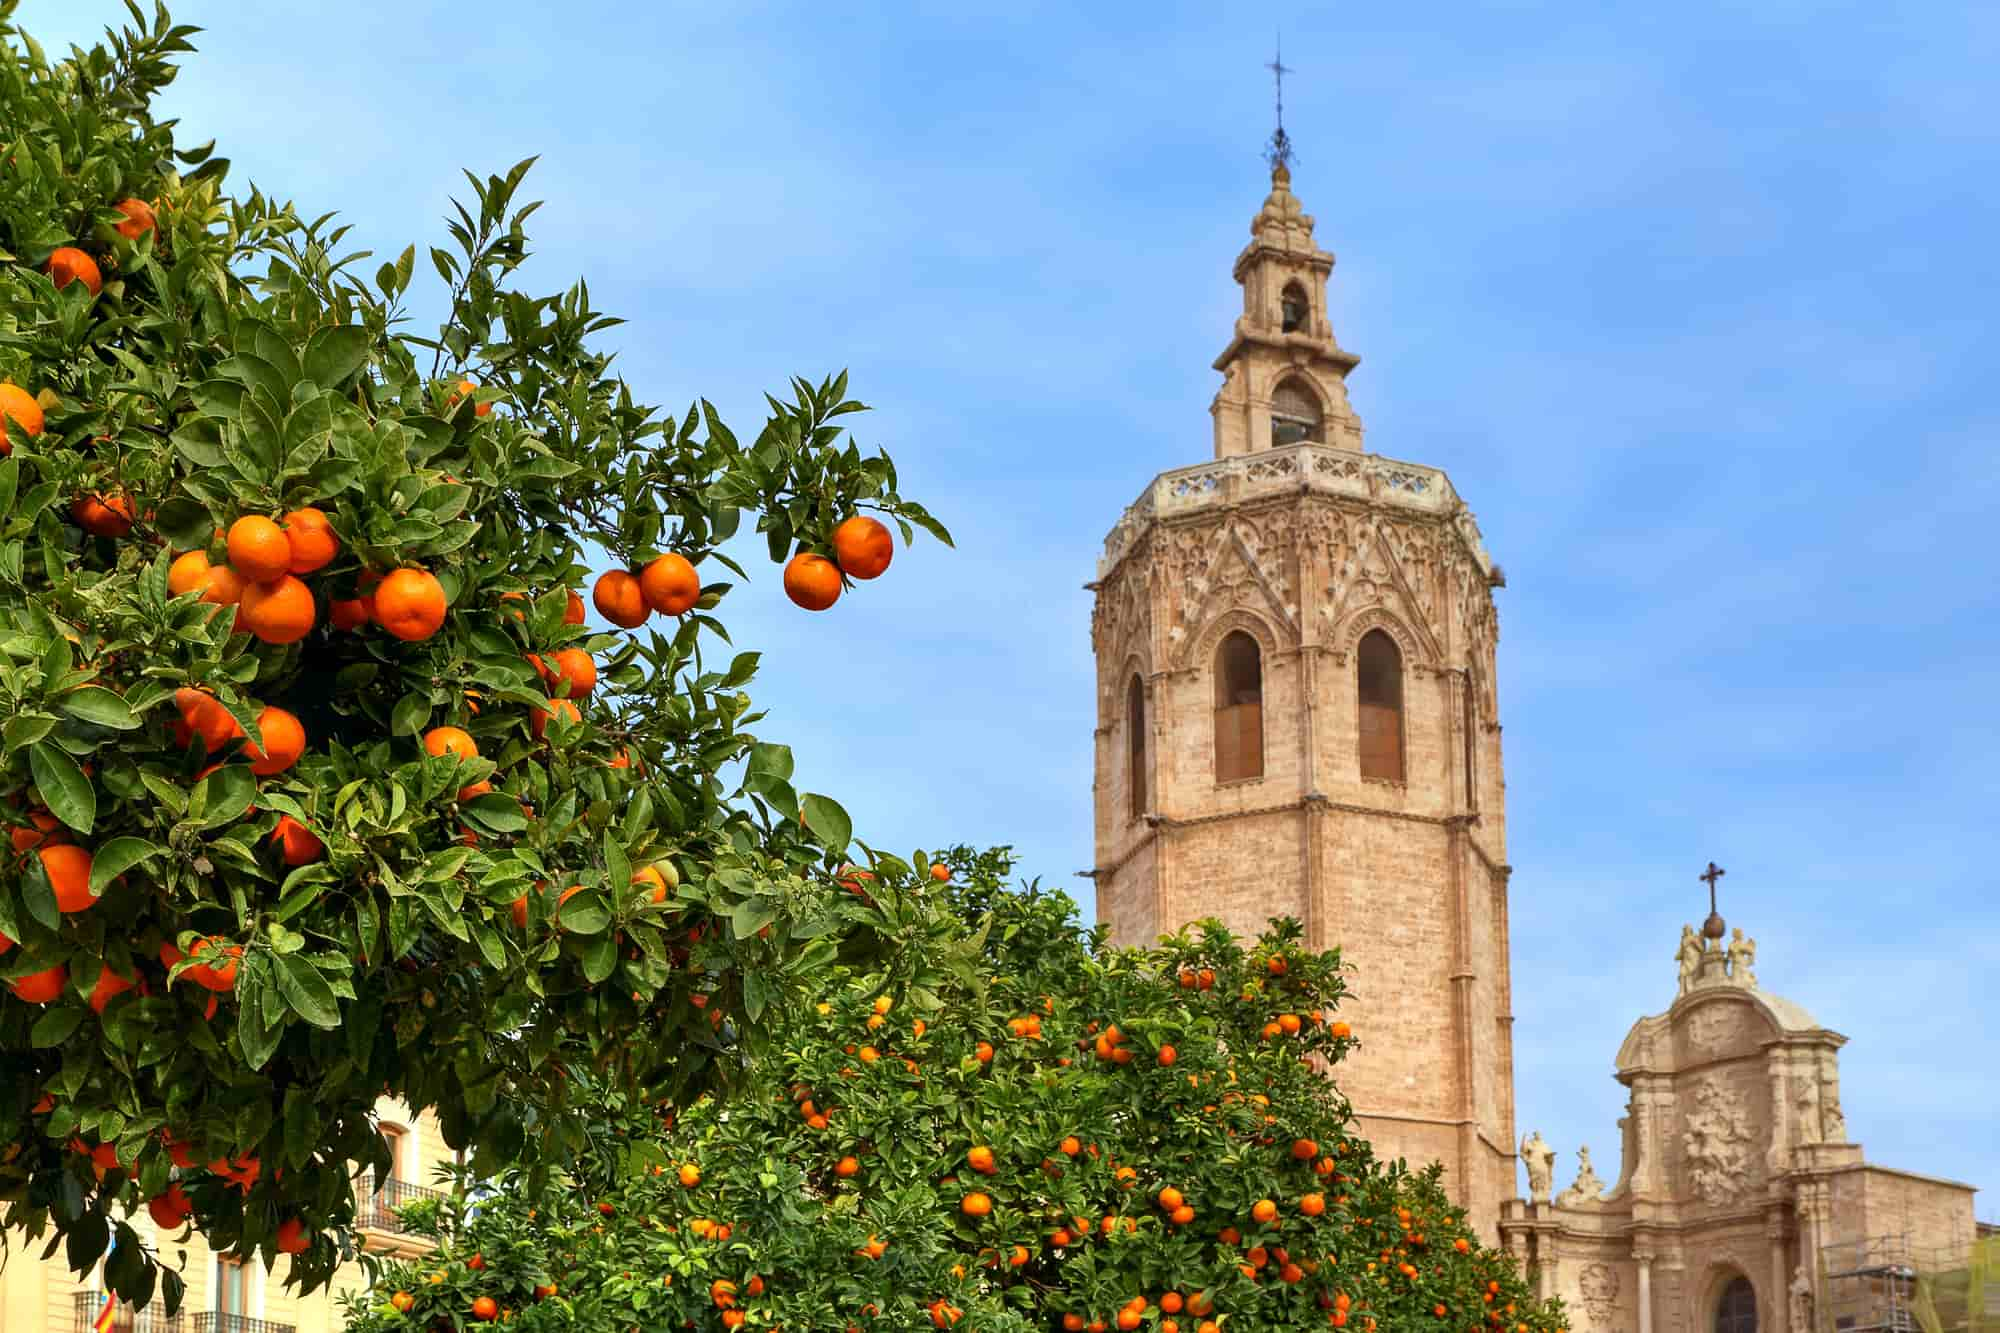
(1690, 302)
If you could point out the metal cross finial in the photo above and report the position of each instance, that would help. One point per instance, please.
(1279, 152)
(1712, 927)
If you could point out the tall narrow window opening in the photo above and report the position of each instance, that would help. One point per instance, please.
(1295, 417)
(1471, 747)
(1239, 709)
(232, 1286)
(1293, 308)
(1379, 679)
(1135, 745)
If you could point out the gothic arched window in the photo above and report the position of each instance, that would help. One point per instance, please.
(1379, 684)
(1736, 1312)
(1135, 745)
(1294, 415)
(1293, 308)
(1239, 709)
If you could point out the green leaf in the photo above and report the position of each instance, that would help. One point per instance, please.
(10, 481)
(411, 714)
(231, 790)
(116, 857)
(100, 706)
(751, 917)
(53, 1028)
(185, 523)
(336, 353)
(600, 956)
(24, 730)
(306, 991)
(62, 786)
(585, 913)
(495, 812)
(828, 821)
(617, 866)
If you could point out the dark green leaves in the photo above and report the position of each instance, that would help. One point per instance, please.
(63, 787)
(97, 705)
(306, 991)
(116, 857)
(335, 354)
(828, 821)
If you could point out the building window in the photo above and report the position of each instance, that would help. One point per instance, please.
(1379, 681)
(232, 1286)
(1135, 745)
(392, 1140)
(1736, 1312)
(1295, 415)
(1239, 709)
(1293, 308)
(1471, 747)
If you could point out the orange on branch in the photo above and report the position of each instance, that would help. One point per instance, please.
(574, 667)
(20, 414)
(281, 740)
(670, 585)
(620, 599)
(259, 549)
(312, 540)
(410, 604)
(138, 220)
(812, 581)
(68, 264)
(863, 547)
(103, 515)
(562, 708)
(40, 987)
(297, 844)
(450, 740)
(280, 611)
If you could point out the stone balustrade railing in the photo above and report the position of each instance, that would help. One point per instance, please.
(1299, 467)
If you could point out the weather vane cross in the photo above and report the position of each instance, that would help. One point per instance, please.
(1712, 927)
(1279, 152)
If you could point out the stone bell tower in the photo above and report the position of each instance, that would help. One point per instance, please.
(1297, 717)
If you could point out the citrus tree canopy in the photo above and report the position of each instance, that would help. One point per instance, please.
(320, 783)
(1002, 1125)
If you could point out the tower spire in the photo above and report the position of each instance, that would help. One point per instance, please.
(1278, 152)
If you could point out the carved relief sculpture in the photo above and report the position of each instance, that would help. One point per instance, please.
(1598, 1285)
(1714, 1026)
(1689, 954)
(1832, 1122)
(1717, 1144)
(1806, 1100)
(1802, 1301)
(1586, 1187)
(1742, 957)
(1540, 1159)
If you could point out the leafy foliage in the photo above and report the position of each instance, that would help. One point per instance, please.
(213, 1000)
(981, 1060)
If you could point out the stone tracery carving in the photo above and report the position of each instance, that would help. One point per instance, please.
(1717, 1143)
(1598, 1285)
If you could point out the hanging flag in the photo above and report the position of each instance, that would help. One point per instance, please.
(102, 1324)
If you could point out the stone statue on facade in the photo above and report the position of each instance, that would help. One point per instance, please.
(1832, 1123)
(1540, 1159)
(1690, 957)
(1802, 1301)
(1806, 1099)
(1742, 957)
(1586, 1187)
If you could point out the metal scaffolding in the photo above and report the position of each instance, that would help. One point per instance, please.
(1884, 1284)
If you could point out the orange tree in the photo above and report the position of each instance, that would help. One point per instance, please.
(999, 1124)
(320, 786)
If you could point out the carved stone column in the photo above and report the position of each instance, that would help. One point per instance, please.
(1781, 1286)
(1645, 1297)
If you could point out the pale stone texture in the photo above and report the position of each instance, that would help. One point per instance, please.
(1736, 1164)
(1306, 546)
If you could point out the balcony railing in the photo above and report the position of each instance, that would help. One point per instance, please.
(124, 1319)
(377, 1208)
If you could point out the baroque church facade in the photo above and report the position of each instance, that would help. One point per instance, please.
(1298, 716)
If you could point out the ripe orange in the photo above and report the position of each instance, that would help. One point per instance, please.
(1312, 1205)
(19, 412)
(450, 740)
(562, 708)
(863, 547)
(981, 1160)
(41, 987)
(403, 1301)
(573, 610)
(68, 264)
(258, 548)
(574, 667)
(109, 986)
(312, 540)
(653, 876)
(297, 844)
(45, 826)
(1264, 1210)
(485, 1308)
(976, 1204)
(670, 585)
(103, 515)
(812, 581)
(171, 1209)
(847, 1167)
(1304, 1150)
(690, 1174)
(188, 573)
(202, 715)
(620, 599)
(463, 390)
(1182, 1215)
(1170, 1198)
(349, 614)
(292, 1238)
(1168, 1055)
(1341, 1031)
(410, 604)
(138, 220)
(69, 875)
(280, 611)
(281, 740)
